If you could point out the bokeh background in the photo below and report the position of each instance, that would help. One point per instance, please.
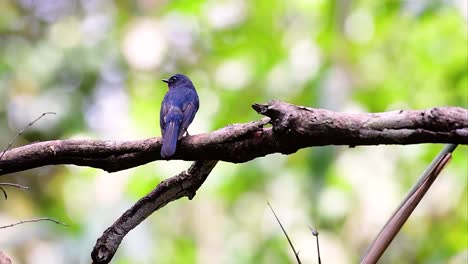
(98, 65)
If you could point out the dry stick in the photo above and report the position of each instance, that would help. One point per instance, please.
(9, 146)
(286, 235)
(33, 221)
(19, 186)
(22, 130)
(316, 234)
(399, 217)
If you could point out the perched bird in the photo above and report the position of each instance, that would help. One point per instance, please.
(178, 109)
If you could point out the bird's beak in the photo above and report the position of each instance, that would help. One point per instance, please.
(165, 80)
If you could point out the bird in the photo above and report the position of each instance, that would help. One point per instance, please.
(178, 109)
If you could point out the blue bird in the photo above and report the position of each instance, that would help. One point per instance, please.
(178, 109)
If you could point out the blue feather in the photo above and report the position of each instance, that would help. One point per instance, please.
(170, 139)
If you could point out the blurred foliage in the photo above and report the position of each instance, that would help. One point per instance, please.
(98, 64)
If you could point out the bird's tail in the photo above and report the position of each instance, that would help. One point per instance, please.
(170, 139)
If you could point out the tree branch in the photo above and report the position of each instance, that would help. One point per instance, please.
(33, 221)
(294, 127)
(183, 184)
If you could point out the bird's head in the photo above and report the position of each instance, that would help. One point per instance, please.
(178, 80)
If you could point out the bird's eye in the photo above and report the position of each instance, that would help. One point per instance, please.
(173, 79)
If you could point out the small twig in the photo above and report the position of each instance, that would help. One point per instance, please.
(33, 221)
(22, 130)
(286, 235)
(412, 199)
(316, 234)
(19, 186)
(4, 193)
(11, 185)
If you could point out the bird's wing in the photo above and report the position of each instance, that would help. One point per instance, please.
(189, 110)
(162, 116)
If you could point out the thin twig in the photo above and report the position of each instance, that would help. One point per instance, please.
(33, 221)
(412, 199)
(286, 235)
(316, 234)
(22, 130)
(19, 186)
(4, 193)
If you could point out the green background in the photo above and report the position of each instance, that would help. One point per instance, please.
(98, 65)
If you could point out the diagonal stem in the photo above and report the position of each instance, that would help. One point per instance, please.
(412, 199)
(296, 254)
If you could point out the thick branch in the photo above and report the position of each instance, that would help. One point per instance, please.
(294, 127)
(184, 184)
